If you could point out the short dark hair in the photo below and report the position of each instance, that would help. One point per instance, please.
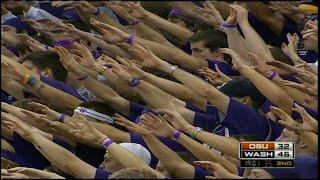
(241, 87)
(99, 107)
(212, 38)
(48, 59)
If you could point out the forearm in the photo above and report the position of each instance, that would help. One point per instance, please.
(112, 132)
(103, 18)
(200, 87)
(148, 33)
(60, 157)
(311, 139)
(17, 112)
(55, 96)
(107, 94)
(170, 160)
(176, 30)
(12, 87)
(205, 154)
(254, 42)
(108, 49)
(268, 88)
(173, 55)
(264, 14)
(220, 143)
(153, 95)
(178, 90)
(237, 43)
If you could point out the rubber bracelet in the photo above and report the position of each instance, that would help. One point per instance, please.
(131, 38)
(197, 130)
(106, 142)
(230, 26)
(134, 82)
(135, 22)
(47, 47)
(177, 134)
(98, 12)
(26, 79)
(83, 78)
(62, 117)
(272, 76)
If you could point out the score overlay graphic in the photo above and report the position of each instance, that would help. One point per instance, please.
(266, 154)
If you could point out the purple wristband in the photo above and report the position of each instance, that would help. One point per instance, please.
(176, 134)
(107, 142)
(64, 43)
(62, 117)
(134, 82)
(83, 78)
(135, 22)
(272, 76)
(230, 26)
(47, 47)
(131, 38)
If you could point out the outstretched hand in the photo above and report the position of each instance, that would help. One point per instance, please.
(216, 78)
(109, 33)
(131, 126)
(157, 124)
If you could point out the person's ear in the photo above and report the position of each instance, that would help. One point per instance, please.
(47, 72)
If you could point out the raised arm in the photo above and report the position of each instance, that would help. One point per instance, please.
(174, 164)
(269, 89)
(46, 92)
(102, 91)
(310, 138)
(170, 54)
(220, 143)
(264, 14)
(57, 155)
(158, 124)
(253, 41)
(176, 30)
(136, 23)
(150, 60)
(197, 85)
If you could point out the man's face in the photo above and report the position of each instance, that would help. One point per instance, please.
(110, 164)
(199, 50)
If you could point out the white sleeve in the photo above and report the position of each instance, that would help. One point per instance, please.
(38, 14)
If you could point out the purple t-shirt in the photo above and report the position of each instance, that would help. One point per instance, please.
(224, 67)
(26, 155)
(174, 145)
(200, 173)
(242, 119)
(101, 174)
(135, 111)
